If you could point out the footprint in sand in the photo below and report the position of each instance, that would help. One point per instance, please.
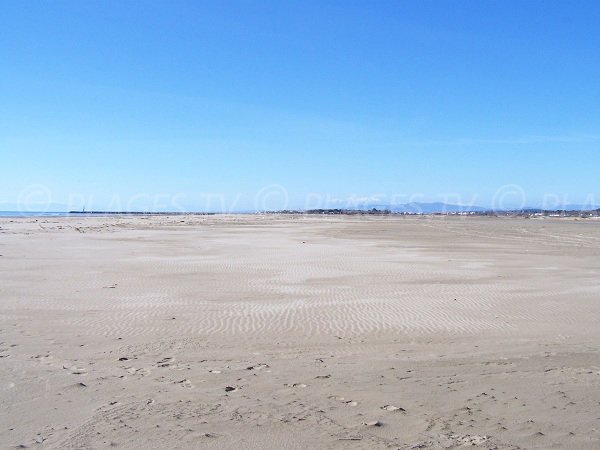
(471, 440)
(374, 423)
(258, 367)
(392, 408)
(185, 383)
(344, 401)
(76, 370)
(165, 362)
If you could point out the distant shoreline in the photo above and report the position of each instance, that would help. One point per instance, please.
(335, 211)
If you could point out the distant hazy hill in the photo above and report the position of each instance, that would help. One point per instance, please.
(439, 207)
(572, 207)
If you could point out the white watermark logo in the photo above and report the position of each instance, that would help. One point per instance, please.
(509, 197)
(271, 198)
(34, 198)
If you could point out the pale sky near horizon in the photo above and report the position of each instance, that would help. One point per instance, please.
(239, 105)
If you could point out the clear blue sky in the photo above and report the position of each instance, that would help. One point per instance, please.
(123, 104)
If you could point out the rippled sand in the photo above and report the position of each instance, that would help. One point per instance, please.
(299, 332)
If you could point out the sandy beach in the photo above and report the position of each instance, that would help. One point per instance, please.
(299, 332)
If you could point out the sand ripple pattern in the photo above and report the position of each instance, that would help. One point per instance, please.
(311, 282)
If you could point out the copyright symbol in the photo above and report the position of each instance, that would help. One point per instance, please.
(33, 198)
(508, 197)
(271, 198)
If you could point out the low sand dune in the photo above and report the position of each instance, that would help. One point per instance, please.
(299, 332)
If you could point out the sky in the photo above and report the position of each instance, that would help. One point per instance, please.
(251, 105)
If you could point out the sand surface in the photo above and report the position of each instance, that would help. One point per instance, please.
(299, 332)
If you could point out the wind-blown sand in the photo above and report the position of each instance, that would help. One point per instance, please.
(299, 332)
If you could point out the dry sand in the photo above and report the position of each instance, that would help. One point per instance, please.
(299, 332)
